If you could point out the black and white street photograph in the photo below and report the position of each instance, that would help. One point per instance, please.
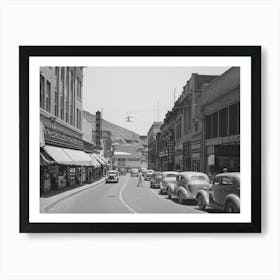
(140, 139)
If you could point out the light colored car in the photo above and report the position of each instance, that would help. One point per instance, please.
(134, 172)
(112, 176)
(223, 194)
(168, 179)
(156, 180)
(187, 185)
(149, 174)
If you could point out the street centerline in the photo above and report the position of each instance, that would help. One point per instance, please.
(121, 199)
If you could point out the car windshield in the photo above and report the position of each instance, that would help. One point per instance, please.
(112, 172)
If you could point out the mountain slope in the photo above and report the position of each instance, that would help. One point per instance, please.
(119, 134)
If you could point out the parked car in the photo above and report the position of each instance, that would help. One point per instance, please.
(168, 179)
(223, 194)
(134, 172)
(112, 176)
(187, 185)
(148, 175)
(155, 180)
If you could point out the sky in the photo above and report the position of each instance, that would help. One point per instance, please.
(143, 93)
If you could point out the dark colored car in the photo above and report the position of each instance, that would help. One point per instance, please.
(168, 179)
(223, 194)
(156, 180)
(112, 176)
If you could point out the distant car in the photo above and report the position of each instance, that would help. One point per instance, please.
(168, 179)
(134, 172)
(112, 176)
(223, 194)
(187, 185)
(149, 174)
(143, 170)
(155, 180)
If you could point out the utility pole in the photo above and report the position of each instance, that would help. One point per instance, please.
(158, 111)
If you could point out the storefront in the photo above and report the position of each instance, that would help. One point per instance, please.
(71, 167)
(223, 158)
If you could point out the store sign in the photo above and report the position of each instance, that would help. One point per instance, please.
(211, 160)
(98, 129)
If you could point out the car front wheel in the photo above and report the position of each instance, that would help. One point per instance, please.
(169, 194)
(201, 203)
(181, 198)
(231, 208)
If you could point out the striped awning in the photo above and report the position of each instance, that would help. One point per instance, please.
(67, 156)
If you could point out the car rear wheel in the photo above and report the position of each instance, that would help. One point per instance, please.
(201, 203)
(181, 198)
(231, 208)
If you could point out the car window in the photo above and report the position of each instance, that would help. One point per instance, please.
(227, 181)
(171, 175)
(198, 177)
(217, 181)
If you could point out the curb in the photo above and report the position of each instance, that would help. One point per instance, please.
(67, 195)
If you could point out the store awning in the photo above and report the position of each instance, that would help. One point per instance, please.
(95, 162)
(99, 159)
(58, 155)
(79, 157)
(45, 159)
(103, 158)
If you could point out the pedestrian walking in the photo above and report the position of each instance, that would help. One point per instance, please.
(140, 181)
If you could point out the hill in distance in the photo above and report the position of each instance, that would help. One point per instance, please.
(119, 134)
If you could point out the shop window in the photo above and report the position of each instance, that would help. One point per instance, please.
(48, 97)
(215, 125)
(223, 122)
(208, 126)
(42, 92)
(233, 119)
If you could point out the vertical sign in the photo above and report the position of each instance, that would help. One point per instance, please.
(98, 129)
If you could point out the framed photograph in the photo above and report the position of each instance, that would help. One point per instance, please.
(140, 139)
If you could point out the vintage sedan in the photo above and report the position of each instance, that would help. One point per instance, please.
(134, 172)
(168, 180)
(187, 185)
(223, 194)
(149, 174)
(112, 176)
(156, 180)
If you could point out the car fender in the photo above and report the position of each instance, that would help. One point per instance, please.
(204, 194)
(234, 199)
(171, 188)
(183, 190)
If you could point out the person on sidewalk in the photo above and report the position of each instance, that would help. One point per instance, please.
(140, 181)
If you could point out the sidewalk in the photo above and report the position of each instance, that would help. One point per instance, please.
(47, 202)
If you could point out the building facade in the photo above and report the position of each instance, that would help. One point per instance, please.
(166, 143)
(65, 155)
(181, 134)
(221, 120)
(152, 156)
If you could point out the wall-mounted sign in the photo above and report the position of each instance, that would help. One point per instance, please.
(211, 160)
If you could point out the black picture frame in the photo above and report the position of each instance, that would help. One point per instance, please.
(254, 52)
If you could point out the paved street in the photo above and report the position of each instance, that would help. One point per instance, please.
(121, 197)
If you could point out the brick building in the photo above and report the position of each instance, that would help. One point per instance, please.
(184, 125)
(65, 155)
(152, 157)
(221, 118)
